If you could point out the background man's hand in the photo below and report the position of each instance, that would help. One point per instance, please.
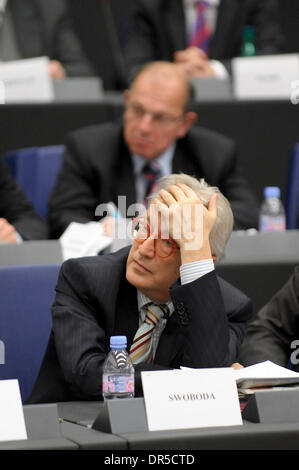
(194, 62)
(8, 233)
(56, 70)
(237, 366)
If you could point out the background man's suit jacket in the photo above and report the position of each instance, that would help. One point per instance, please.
(94, 301)
(274, 328)
(44, 28)
(98, 167)
(157, 28)
(15, 207)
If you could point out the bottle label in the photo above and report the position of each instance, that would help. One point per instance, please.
(272, 224)
(118, 383)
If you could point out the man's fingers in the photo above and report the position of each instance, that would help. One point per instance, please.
(167, 197)
(7, 231)
(212, 206)
(237, 366)
(189, 192)
(177, 192)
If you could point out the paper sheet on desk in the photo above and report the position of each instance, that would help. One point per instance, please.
(12, 421)
(83, 240)
(265, 373)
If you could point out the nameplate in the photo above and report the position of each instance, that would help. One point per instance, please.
(191, 398)
(265, 77)
(26, 81)
(12, 422)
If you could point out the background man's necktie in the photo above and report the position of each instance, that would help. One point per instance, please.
(202, 33)
(141, 349)
(151, 172)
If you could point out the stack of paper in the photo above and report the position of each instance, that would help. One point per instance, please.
(264, 374)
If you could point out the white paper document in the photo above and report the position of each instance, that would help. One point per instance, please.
(83, 240)
(26, 80)
(191, 398)
(265, 77)
(12, 422)
(265, 373)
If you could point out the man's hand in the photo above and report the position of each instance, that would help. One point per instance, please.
(56, 70)
(108, 224)
(194, 62)
(190, 223)
(8, 233)
(237, 366)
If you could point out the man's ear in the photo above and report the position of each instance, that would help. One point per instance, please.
(189, 119)
(126, 95)
(214, 259)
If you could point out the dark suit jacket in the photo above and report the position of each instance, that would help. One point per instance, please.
(44, 28)
(97, 168)
(157, 28)
(15, 207)
(270, 334)
(94, 301)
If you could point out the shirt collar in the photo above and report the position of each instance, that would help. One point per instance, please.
(190, 3)
(143, 300)
(164, 161)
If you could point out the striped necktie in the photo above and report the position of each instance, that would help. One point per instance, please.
(141, 348)
(151, 172)
(202, 32)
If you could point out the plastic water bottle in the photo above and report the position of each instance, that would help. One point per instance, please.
(248, 45)
(118, 371)
(272, 214)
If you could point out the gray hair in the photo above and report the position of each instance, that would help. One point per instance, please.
(223, 226)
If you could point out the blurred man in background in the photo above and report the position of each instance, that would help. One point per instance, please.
(36, 28)
(157, 137)
(18, 220)
(200, 36)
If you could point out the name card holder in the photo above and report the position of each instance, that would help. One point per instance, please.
(273, 406)
(121, 416)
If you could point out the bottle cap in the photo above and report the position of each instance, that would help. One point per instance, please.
(118, 342)
(272, 191)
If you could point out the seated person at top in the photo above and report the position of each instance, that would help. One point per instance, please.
(35, 28)
(203, 45)
(200, 318)
(18, 220)
(156, 137)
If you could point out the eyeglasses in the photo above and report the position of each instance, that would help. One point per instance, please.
(158, 119)
(140, 230)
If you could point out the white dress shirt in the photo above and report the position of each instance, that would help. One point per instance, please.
(165, 163)
(211, 16)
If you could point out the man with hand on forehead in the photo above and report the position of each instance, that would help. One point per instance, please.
(164, 284)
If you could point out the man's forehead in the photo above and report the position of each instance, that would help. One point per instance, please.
(172, 88)
(157, 220)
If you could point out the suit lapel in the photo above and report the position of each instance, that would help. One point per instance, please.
(127, 317)
(171, 343)
(182, 164)
(229, 12)
(123, 183)
(27, 28)
(176, 28)
(118, 298)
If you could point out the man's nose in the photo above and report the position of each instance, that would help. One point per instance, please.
(146, 122)
(147, 247)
